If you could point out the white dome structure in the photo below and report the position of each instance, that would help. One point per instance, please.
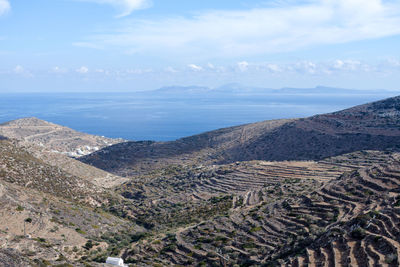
(116, 262)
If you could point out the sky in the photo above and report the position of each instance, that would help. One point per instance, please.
(135, 45)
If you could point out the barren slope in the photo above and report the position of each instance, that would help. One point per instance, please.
(133, 158)
(370, 126)
(48, 216)
(58, 146)
(54, 137)
(17, 166)
(71, 165)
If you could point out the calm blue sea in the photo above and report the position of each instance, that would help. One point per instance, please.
(149, 116)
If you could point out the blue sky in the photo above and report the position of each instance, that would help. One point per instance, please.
(131, 45)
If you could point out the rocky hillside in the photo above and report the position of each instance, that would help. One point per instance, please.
(213, 199)
(58, 146)
(54, 137)
(50, 217)
(306, 215)
(72, 166)
(370, 126)
(19, 167)
(133, 158)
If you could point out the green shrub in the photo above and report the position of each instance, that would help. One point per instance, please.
(80, 231)
(88, 245)
(256, 229)
(20, 208)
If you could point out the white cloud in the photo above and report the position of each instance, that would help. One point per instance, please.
(305, 67)
(195, 67)
(347, 65)
(393, 62)
(171, 70)
(138, 71)
(59, 70)
(273, 68)
(4, 7)
(19, 69)
(227, 34)
(82, 70)
(22, 71)
(210, 66)
(126, 7)
(243, 66)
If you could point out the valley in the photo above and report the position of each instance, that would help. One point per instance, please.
(316, 191)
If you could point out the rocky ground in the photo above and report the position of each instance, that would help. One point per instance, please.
(272, 215)
(208, 200)
(55, 138)
(49, 215)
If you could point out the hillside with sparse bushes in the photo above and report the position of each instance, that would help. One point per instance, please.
(318, 191)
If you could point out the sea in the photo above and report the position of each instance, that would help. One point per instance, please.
(166, 117)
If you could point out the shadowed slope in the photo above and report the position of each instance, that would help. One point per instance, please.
(374, 126)
(371, 126)
(132, 158)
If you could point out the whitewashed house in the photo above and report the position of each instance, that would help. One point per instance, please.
(116, 262)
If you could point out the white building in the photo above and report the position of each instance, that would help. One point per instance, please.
(116, 262)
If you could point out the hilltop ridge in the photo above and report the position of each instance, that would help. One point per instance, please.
(54, 137)
(370, 126)
(59, 146)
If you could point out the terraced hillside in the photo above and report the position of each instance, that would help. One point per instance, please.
(212, 199)
(241, 178)
(372, 126)
(54, 137)
(349, 219)
(367, 230)
(248, 213)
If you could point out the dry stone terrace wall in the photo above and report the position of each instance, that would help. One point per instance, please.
(177, 207)
(367, 232)
(350, 218)
(242, 178)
